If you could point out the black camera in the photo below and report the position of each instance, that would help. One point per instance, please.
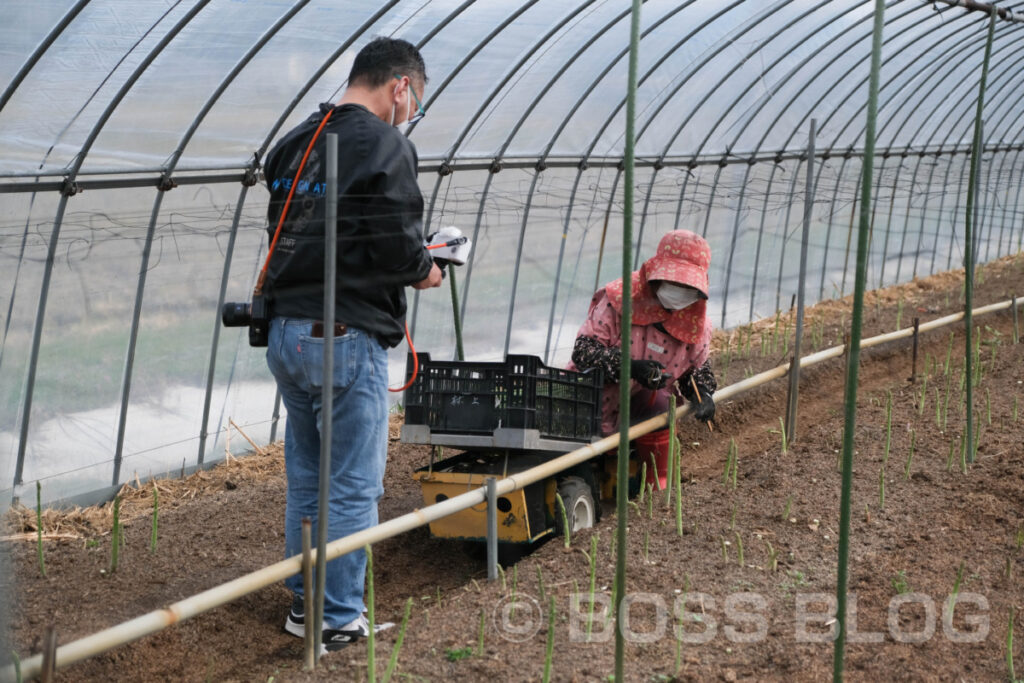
(256, 315)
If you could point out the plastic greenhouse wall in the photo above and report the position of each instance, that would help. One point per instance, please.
(521, 149)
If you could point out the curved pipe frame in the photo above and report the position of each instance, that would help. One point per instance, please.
(40, 50)
(58, 220)
(126, 377)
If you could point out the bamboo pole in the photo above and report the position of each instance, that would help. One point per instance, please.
(853, 360)
(194, 605)
(622, 487)
(969, 255)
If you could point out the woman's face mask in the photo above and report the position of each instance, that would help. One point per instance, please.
(676, 297)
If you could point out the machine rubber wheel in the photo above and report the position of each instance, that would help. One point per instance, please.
(580, 508)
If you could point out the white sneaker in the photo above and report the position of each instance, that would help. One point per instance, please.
(337, 638)
(362, 625)
(333, 639)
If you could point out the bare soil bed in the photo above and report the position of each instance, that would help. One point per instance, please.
(761, 616)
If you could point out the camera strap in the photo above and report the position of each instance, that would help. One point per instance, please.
(287, 204)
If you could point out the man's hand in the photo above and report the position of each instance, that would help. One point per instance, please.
(432, 280)
(649, 374)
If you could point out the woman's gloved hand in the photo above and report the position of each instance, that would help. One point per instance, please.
(649, 374)
(704, 410)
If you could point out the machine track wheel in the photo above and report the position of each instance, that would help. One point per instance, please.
(580, 507)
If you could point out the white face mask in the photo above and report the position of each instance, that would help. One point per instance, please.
(403, 127)
(676, 297)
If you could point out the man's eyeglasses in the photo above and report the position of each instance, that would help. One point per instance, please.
(420, 111)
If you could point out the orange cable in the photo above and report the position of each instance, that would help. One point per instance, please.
(287, 204)
(415, 363)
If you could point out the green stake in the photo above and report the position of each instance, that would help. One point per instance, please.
(853, 357)
(455, 311)
(622, 512)
(969, 255)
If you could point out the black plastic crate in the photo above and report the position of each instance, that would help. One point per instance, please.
(466, 397)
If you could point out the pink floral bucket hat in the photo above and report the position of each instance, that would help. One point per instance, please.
(683, 257)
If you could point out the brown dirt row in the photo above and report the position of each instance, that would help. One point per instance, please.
(938, 527)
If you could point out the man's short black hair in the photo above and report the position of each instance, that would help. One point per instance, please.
(384, 58)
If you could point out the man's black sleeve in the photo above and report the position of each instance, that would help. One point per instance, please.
(394, 207)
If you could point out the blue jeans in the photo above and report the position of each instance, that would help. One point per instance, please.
(358, 448)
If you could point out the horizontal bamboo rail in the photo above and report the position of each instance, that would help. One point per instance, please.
(160, 619)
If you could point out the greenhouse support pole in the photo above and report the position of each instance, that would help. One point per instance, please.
(519, 257)
(561, 258)
(784, 237)
(492, 529)
(622, 474)
(133, 338)
(327, 400)
(68, 188)
(853, 361)
(476, 235)
(969, 251)
(40, 50)
(211, 368)
(248, 180)
(794, 377)
(415, 307)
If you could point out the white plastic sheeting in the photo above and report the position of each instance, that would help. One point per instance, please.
(741, 76)
(521, 149)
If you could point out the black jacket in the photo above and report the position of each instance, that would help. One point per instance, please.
(380, 233)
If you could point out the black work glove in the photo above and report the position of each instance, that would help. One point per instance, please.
(649, 374)
(443, 265)
(704, 410)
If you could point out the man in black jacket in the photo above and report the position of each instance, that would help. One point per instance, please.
(379, 252)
